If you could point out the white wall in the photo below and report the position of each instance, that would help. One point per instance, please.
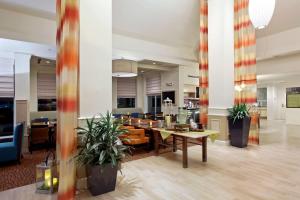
(280, 65)
(95, 57)
(22, 76)
(276, 99)
(282, 43)
(19, 26)
(192, 70)
(168, 77)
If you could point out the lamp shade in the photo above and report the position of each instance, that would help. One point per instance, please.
(124, 68)
(261, 12)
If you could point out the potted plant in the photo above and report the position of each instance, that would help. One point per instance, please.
(101, 153)
(239, 125)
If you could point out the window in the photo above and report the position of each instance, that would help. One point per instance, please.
(126, 102)
(6, 116)
(153, 85)
(46, 104)
(7, 94)
(126, 92)
(46, 91)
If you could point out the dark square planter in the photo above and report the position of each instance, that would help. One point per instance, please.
(101, 179)
(239, 132)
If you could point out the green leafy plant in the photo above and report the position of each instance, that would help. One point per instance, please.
(238, 111)
(101, 143)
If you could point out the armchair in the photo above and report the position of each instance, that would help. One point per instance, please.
(11, 151)
(135, 137)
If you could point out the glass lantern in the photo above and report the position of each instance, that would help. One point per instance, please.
(47, 176)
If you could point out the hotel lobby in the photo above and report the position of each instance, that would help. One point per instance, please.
(140, 99)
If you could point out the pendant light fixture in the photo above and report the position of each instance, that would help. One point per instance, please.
(124, 68)
(261, 12)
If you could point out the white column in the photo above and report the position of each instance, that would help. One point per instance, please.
(22, 92)
(95, 57)
(221, 63)
(181, 79)
(221, 55)
(140, 92)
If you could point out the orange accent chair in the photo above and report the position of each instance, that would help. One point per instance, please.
(127, 127)
(135, 137)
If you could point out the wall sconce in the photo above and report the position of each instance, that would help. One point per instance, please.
(170, 84)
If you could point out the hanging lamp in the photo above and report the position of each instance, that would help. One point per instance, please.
(124, 68)
(261, 12)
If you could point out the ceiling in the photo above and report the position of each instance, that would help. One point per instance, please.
(157, 63)
(42, 8)
(286, 16)
(282, 78)
(172, 22)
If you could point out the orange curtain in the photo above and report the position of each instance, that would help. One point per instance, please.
(203, 62)
(245, 62)
(67, 68)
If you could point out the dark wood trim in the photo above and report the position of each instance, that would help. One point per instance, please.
(174, 143)
(204, 149)
(184, 153)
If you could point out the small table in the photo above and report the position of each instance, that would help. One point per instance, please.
(185, 136)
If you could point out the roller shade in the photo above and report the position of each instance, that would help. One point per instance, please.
(46, 86)
(7, 78)
(126, 87)
(153, 85)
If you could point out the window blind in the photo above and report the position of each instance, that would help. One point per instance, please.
(46, 86)
(153, 85)
(7, 78)
(126, 87)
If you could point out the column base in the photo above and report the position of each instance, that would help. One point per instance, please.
(217, 120)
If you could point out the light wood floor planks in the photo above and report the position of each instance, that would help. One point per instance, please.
(270, 171)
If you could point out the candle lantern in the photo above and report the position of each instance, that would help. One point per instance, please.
(47, 175)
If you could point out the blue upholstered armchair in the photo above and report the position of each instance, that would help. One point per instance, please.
(11, 151)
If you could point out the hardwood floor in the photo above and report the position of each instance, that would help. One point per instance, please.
(270, 171)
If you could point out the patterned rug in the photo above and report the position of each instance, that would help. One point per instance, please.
(13, 175)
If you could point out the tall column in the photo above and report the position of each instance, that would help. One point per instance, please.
(221, 63)
(95, 57)
(22, 92)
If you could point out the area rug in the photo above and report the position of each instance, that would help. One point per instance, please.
(13, 175)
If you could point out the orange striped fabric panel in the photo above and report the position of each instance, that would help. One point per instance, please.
(244, 54)
(245, 62)
(203, 62)
(67, 94)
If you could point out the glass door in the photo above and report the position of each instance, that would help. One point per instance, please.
(154, 104)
